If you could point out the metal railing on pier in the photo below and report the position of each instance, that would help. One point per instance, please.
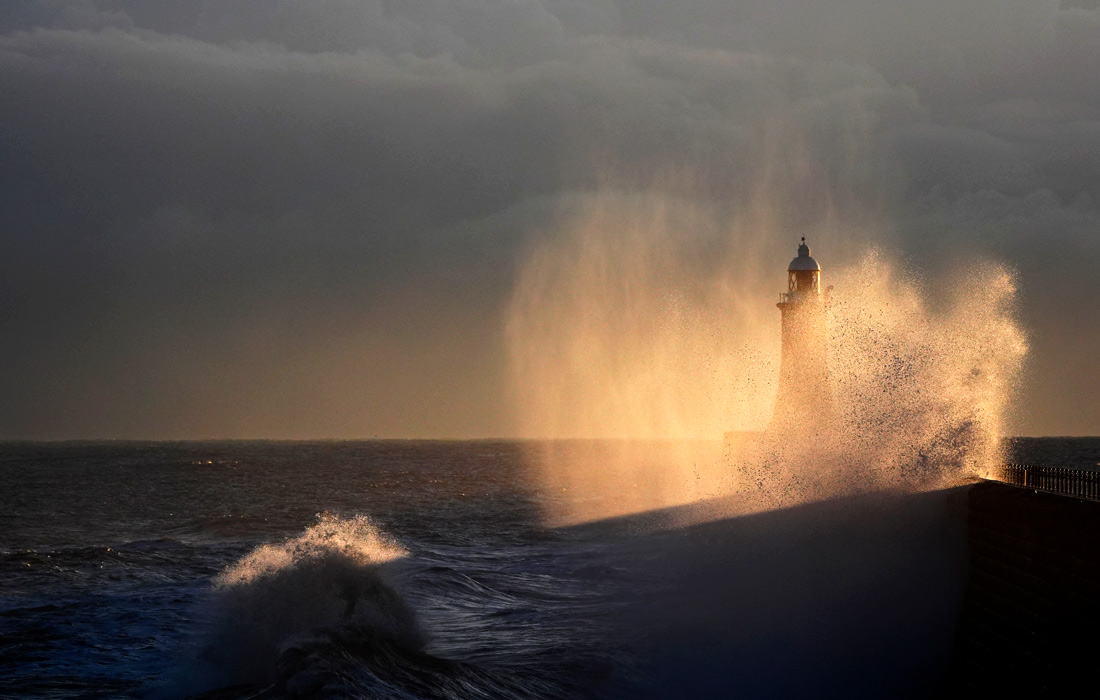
(1079, 483)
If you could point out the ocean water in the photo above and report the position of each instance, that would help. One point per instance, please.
(109, 555)
(425, 570)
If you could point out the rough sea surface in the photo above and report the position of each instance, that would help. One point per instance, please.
(425, 570)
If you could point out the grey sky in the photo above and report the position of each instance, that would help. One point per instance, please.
(302, 219)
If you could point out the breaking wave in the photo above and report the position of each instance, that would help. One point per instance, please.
(328, 614)
(337, 580)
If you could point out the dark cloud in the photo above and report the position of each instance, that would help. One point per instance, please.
(247, 217)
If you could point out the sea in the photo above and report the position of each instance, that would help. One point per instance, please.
(426, 569)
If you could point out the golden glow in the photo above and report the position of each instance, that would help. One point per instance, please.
(648, 322)
(640, 323)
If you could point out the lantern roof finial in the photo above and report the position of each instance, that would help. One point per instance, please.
(803, 261)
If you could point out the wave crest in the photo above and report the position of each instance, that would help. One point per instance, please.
(337, 575)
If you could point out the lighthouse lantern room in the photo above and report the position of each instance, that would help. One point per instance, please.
(804, 274)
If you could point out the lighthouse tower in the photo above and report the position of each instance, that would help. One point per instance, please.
(804, 399)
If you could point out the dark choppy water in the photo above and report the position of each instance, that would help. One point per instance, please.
(1067, 452)
(109, 554)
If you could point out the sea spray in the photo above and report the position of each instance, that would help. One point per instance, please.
(923, 393)
(336, 577)
(637, 323)
(920, 394)
(622, 327)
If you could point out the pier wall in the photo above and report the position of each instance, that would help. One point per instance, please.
(1030, 622)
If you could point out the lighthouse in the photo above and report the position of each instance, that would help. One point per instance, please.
(804, 399)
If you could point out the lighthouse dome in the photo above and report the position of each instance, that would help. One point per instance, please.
(803, 262)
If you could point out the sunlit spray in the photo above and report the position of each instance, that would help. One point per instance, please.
(637, 326)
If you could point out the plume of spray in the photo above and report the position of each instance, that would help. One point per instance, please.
(920, 392)
(625, 328)
(645, 330)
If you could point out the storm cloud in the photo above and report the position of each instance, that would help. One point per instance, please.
(303, 219)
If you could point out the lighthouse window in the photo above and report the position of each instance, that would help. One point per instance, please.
(803, 281)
